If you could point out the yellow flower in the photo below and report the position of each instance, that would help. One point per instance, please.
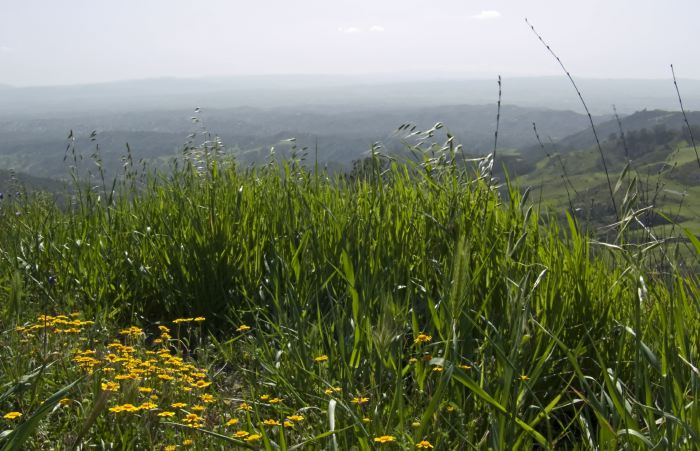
(165, 377)
(412, 360)
(241, 434)
(166, 413)
(264, 397)
(321, 358)
(271, 422)
(12, 415)
(201, 384)
(65, 402)
(199, 319)
(245, 406)
(438, 369)
(243, 328)
(110, 386)
(132, 331)
(422, 338)
(187, 442)
(275, 400)
(385, 439)
(145, 389)
(148, 405)
(253, 438)
(288, 424)
(424, 444)
(170, 448)
(206, 398)
(465, 367)
(182, 320)
(124, 408)
(198, 408)
(524, 378)
(360, 400)
(295, 418)
(232, 422)
(178, 405)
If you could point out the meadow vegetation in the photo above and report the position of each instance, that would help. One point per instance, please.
(410, 306)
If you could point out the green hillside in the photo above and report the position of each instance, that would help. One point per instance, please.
(411, 306)
(660, 167)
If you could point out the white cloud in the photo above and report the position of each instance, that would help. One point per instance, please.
(376, 28)
(349, 30)
(487, 15)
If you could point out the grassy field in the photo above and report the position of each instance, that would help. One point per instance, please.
(413, 307)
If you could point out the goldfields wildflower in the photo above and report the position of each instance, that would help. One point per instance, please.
(206, 398)
(288, 424)
(264, 397)
(275, 400)
(132, 331)
(170, 448)
(385, 439)
(166, 414)
(199, 319)
(271, 422)
(245, 406)
(232, 422)
(124, 408)
(295, 418)
(359, 400)
(145, 389)
(198, 408)
(65, 402)
(422, 338)
(321, 358)
(182, 320)
(12, 415)
(243, 328)
(188, 442)
(110, 386)
(438, 369)
(178, 405)
(201, 384)
(241, 434)
(424, 444)
(253, 438)
(148, 406)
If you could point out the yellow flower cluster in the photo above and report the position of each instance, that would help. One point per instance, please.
(60, 324)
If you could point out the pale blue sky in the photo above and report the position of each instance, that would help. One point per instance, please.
(77, 41)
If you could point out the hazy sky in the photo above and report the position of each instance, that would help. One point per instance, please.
(76, 41)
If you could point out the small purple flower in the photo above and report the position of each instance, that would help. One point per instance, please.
(52, 280)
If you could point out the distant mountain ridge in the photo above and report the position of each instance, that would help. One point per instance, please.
(337, 91)
(645, 119)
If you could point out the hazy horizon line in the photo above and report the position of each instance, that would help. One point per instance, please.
(378, 76)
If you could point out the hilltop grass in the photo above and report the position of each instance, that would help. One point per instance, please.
(411, 307)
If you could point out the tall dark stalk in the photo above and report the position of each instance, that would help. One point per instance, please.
(590, 117)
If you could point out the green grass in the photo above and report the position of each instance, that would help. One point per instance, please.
(465, 317)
